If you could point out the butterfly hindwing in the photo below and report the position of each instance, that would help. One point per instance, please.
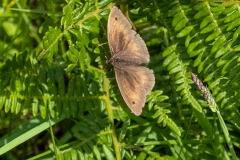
(134, 84)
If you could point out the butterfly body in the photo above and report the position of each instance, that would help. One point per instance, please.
(129, 52)
(119, 63)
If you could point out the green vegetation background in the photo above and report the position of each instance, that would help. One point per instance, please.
(59, 100)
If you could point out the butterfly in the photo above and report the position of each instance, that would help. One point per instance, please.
(129, 52)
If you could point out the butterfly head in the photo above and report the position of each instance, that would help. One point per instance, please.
(109, 61)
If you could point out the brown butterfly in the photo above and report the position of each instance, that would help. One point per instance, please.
(128, 52)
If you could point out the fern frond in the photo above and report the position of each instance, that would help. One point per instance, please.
(62, 78)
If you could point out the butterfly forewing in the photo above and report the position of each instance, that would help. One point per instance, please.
(123, 40)
(118, 28)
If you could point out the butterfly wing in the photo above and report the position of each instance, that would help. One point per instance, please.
(135, 83)
(123, 41)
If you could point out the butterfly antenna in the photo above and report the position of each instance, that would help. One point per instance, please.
(101, 45)
(106, 62)
(106, 57)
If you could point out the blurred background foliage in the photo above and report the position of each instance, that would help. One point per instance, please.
(60, 100)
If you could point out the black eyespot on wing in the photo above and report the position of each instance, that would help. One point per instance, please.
(133, 102)
(116, 18)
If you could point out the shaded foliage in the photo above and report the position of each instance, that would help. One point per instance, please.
(53, 72)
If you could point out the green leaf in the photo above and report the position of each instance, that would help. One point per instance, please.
(67, 19)
(180, 25)
(50, 43)
(107, 151)
(210, 27)
(185, 31)
(169, 50)
(233, 24)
